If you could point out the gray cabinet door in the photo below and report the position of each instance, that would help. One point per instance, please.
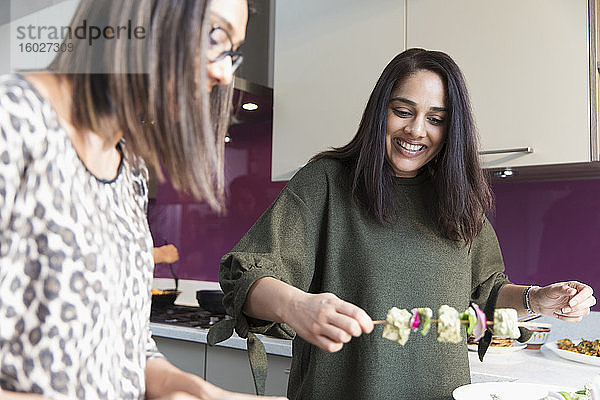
(187, 356)
(230, 369)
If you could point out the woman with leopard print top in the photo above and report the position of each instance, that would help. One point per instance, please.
(76, 259)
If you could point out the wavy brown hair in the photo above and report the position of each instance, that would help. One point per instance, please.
(461, 192)
(153, 91)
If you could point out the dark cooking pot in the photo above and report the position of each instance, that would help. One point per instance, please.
(165, 299)
(211, 300)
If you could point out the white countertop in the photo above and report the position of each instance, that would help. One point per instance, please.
(541, 366)
(531, 366)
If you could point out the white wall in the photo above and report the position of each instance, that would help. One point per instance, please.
(4, 49)
(36, 13)
(56, 15)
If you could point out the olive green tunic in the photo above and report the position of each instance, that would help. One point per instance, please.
(315, 237)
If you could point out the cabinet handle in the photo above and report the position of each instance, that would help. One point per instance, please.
(287, 371)
(503, 151)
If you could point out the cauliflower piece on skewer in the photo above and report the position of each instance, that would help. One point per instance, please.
(506, 323)
(448, 325)
(397, 327)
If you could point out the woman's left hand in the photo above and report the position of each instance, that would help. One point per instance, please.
(568, 301)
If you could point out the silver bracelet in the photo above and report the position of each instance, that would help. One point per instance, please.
(527, 300)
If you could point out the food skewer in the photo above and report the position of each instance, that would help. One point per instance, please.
(399, 323)
(490, 323)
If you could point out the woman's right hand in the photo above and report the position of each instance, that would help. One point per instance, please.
(321, 319)
(326, 321)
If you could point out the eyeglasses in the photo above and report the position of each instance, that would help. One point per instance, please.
(220, 46)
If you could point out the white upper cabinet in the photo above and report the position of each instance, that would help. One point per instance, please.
(328, 56)
(526, 63)
(527, 66)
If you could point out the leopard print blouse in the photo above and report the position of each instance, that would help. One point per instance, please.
(75, 261)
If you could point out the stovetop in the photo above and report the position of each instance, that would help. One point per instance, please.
(194, 317)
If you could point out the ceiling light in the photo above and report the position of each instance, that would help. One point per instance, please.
(250, 106)
(506, 173)
(227, 139)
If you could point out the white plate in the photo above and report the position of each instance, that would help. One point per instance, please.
(499, 349)
(569, 355)
(506, 391)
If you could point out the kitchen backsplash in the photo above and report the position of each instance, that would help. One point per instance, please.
(548, 231)
(201, 236)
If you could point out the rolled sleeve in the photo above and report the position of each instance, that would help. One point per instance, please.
(236, 289)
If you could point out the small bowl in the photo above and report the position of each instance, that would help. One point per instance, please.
(538, 338)
(211, 300)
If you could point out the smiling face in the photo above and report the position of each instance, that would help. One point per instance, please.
(416, 122)
(232, 17)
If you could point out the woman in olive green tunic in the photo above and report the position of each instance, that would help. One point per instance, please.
(394, 218)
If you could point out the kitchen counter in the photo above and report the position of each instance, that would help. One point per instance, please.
(541, 366)
(279, 347)
(532, 366)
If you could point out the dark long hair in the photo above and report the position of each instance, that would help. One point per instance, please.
(462, 194)
(154, 91)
